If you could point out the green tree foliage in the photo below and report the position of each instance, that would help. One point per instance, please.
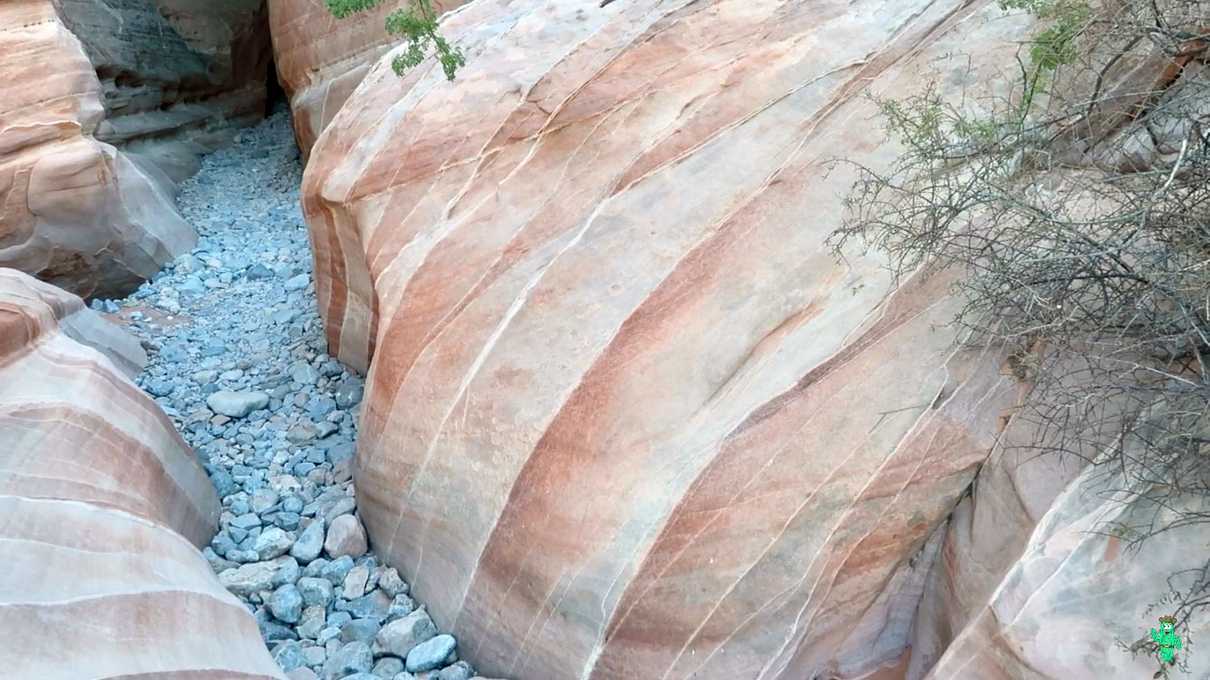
(417, 24)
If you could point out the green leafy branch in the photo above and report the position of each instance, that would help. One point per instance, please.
(1056, 45)
(417, 24)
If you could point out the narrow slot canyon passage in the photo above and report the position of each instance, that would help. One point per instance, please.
(237, 360)
(654, 391)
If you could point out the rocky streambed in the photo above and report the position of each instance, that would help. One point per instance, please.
(238, 363)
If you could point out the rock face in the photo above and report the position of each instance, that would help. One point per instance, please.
(321, 59)
(102, 506)
(1029, 584)
(73, 210)
(176, 75)
(81, 76)
(627, 417)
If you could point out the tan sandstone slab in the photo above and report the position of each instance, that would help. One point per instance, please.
(102, 510)
(627, 416)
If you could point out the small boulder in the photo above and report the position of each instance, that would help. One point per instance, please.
(400, 636)
(272, 543)
(263, 500)
(248, 578)
(354, 657)
(310, 542)
(236, 404)
(315, 591)
(313, 620)
(258, 271)
(431, 653)
(459, 671)
(286, 603)
(348, 393)
(336, 570)
(288, 655)
(391, 583)
(287, 571)
(355, 583)
(375, 606)
(342, 506)
(303, 373)
(400, 607)
(359, 630)
(346, 536)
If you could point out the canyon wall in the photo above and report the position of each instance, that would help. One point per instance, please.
(102, 510)
(322, 59)
(627, 415)
(177, 76)
(102, 105)
(1031, 584)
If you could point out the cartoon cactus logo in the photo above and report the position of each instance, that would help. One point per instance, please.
(1166, 640)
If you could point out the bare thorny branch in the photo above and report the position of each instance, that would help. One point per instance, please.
(1079, 210)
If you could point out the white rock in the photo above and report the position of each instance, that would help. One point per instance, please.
(346, 536)
(236, 404)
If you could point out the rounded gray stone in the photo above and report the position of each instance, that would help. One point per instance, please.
(236, 404)
(430, 654)
(286, 603)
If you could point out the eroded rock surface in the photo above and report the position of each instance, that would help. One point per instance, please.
(102, 511)
(1031, 584)
(321, 59)
(176, 75)
(626, 415)
(73, 210)
(103, 103)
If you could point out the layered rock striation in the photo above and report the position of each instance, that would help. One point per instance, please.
(626, 415)
(102, 511)
(1032, 583)
(102, 105)
(176, 75)
(73, 210)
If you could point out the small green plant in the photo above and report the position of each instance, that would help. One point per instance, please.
(1056, 45)
(417, 24)
(1052, 47)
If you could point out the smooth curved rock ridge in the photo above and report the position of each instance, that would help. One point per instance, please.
(73, 210)
(627, 417)
(321, 59)
(102, 510)
(1030, 582)
(1061, 601)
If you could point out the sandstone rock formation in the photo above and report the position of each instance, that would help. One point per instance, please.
(80, 76)
(1030, 584)
(102, 506)
(176, 75)
(627, 417)
(321, 59)
(73, 211)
